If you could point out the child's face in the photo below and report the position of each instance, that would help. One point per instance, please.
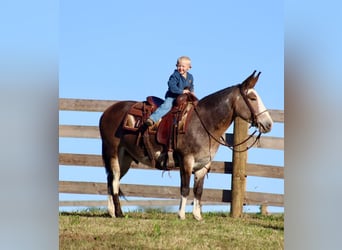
(183, 66)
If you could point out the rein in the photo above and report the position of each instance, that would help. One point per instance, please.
(254, 122)
(223, 142)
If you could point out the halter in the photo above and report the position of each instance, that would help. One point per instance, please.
(254, 123)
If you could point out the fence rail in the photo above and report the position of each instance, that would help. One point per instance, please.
(168, 194)
(89, 160)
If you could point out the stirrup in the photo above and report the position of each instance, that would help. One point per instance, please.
(170, 161)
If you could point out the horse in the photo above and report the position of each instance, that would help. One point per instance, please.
(195, 149)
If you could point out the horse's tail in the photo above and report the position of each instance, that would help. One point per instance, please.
(121, 194)
(105, 153)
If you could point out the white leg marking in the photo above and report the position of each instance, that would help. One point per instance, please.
(181, 212)
(111, 208)
(197, 210)
(115, 186)
(116, 180)
(199, 175)
(202, 172)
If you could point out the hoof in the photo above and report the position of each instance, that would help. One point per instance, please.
(198, 217)
(111, 213)
(120, 215)
(181, 216)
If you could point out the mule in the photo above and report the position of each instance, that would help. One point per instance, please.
(195, 149)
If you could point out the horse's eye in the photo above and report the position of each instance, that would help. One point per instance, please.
(252, 97)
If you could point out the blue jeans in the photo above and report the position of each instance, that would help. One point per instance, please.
(163, 109)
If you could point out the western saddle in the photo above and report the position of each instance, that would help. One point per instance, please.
(166, 130)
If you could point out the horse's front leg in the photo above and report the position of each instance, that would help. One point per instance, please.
(198, 190)
(185, 174)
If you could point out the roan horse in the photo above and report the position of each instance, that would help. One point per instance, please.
(195, 149)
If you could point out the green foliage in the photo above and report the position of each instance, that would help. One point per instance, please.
(155, 229)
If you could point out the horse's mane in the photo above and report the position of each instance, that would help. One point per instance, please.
(214, 98)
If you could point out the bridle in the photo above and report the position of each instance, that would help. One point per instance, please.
(253, 123)
(254, 115)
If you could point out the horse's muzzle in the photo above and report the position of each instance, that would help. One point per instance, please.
(265, 127)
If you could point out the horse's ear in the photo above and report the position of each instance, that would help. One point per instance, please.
(251, 80)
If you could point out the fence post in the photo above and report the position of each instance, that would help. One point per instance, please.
(239, 168)
(263, 209)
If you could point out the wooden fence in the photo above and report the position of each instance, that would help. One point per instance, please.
(238, 168)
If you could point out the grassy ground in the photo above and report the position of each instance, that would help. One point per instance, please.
(160, 230)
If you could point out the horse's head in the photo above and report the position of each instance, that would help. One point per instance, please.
(250, 106)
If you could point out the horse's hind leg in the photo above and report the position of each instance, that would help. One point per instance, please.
(110, 205)
(198, 190)
(119, 167)
(113, 182)
(110, 157)
(116, 188)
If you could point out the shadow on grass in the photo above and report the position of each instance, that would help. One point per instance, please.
(275, 222)
(88, 212)
(85, 214)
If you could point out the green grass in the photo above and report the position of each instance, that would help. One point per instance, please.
(154, 229)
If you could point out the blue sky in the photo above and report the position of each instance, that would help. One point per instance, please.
(115, 50)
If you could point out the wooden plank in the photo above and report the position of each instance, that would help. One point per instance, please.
(256, 198)
(268, 171)
(123, 202)
(89, 160)
(209, 195)
(80, 160)
(86, 160)
(267, 142)
(221, 167)
(143, 203)
(174, 192)
(77, 131)
(141, 191)
(82, 187)
(277, 115)
(260, 170)
(72, 104)
(84, 104)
